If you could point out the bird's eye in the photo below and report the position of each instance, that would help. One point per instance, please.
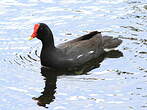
(41, 28)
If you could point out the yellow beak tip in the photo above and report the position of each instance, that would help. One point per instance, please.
(30, 38)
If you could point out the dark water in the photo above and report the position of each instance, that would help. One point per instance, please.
(116, 84)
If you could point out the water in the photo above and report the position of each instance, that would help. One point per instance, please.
(116, 84)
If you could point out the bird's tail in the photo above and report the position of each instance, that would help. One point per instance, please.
(110, 42)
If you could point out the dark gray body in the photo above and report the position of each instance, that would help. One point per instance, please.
(78, 51)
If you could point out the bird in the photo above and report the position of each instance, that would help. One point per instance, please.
(74, 53)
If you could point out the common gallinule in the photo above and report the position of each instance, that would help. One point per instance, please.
(72, 53)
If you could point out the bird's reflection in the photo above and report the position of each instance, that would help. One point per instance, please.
(50, 75)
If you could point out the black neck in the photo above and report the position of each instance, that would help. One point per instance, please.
(48, 41)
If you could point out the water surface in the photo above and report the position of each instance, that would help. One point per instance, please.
(116, 83)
